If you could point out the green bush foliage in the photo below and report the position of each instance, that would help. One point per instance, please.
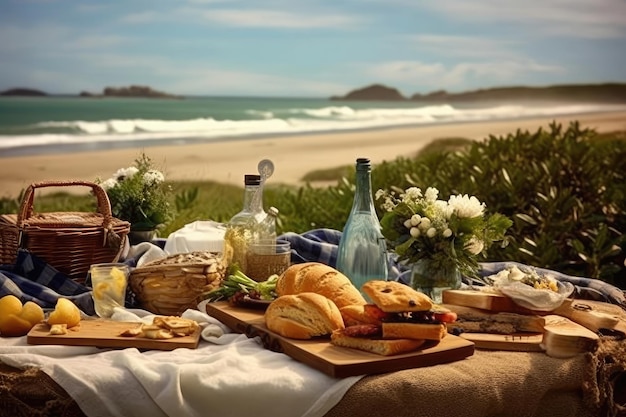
(564, 189)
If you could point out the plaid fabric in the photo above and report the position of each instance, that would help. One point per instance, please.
(585, 288)
(320, 245)
(31, 279)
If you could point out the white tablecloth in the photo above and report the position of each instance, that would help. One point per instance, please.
(227, 375)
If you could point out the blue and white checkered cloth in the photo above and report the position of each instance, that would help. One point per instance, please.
(31, 279)
(320, 245)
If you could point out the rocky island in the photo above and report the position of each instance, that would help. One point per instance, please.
(373, 92)
(605, 93)
(23, 92)
(132, 91)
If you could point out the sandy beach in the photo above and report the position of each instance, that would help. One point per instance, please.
(293, 156)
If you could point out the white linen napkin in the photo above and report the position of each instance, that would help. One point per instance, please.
(196, 236)
(146, 252)
(227, 375)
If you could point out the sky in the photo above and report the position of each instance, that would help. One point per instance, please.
(308, 48)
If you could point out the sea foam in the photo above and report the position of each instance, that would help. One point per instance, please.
(275, 122)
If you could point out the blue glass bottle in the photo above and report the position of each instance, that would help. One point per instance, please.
(362, 254)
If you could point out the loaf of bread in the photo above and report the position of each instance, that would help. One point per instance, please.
(321, 279)
(303, 316)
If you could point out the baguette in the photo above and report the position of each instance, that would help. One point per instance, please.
(321, 279)
(303, 316)
(377, 346)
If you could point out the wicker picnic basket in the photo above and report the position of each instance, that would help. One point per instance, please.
(170, 285)
(69, 241)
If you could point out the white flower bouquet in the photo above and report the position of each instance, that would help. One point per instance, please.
(139, 195)
(420, 226)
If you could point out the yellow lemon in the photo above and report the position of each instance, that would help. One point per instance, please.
(119, 280)
(65, 312)
(9, 304)
(13, 326)
(100, 289)
(32, 313)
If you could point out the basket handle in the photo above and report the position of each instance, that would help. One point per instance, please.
(104, 205)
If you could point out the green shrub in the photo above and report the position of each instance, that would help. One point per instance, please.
(564, 189)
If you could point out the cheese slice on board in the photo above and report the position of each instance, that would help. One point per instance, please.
(563, 338)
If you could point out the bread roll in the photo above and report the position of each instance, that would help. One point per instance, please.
(395, 297)
(303, 316)
(378, 346)
(321, 279)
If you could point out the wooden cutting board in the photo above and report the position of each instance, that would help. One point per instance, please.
(568, 330)
(496, 303)
(336, 361)
(519, 342)
(564, 338)
(594, 315)
(105, 334)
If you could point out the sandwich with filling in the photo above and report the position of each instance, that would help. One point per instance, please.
(398, 319)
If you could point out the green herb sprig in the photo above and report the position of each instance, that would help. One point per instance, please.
(237, 282)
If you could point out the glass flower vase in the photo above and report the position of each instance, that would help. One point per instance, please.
(433, 277)
(136, 237)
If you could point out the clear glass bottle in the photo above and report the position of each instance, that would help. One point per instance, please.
(242, 227)
(266, 231)
(362, 254)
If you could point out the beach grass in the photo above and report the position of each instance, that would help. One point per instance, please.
(328, 174)
(563, 240)
(438, 145)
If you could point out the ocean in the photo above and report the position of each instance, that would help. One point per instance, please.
(43, 125)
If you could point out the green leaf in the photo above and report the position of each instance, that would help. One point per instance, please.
(526, 218)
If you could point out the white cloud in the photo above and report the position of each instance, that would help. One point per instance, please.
(278, 19)
(210, 1)
(486, 73)
(194, 78)
(218, 81)
(142, 17)
(465, 46)
(405, 70)
(24, 39)
(96, 42)
(205, 11)
(574, 18)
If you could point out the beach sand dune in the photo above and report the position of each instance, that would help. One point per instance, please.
(293, 156)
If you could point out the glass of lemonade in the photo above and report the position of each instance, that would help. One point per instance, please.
(109, 283)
